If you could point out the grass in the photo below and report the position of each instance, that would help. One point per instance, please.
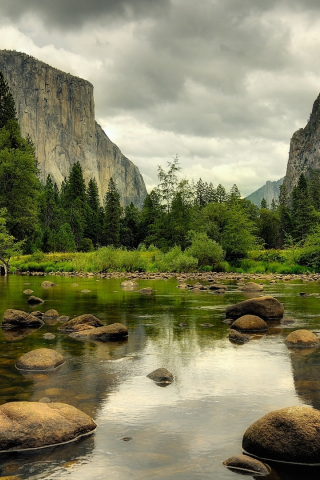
(109, 259)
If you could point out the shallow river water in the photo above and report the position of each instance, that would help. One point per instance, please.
(182, 431)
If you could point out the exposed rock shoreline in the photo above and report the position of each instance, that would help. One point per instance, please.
(181, 277)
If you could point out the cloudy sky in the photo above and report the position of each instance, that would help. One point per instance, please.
(223, 84)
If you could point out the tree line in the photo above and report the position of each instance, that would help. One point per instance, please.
(41, 216)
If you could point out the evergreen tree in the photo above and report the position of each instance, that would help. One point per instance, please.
(76, 187)
(7, 106)
(314, 189)
(263, 203)
(221, 194)
(284, 214)
(303, 213)
(112, 215)
(269, 228)
(200, 193)
(94, 225)
(130, 227)
(273, 205)
(65, 241)
(234, 195)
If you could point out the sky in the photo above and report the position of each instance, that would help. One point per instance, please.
(221, 84)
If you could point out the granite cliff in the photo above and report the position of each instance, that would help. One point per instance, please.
(304, 152)
(57, 110)
(269, 191)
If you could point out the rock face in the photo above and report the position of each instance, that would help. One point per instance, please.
(57, 110)
(264, 307)
(286, 435)
(31, 425)
(41, 359)
(304, 149)
(270, 191)
(302, 339)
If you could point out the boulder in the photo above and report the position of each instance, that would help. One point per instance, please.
(34, 300)
(146, 291)
(63, 319)
(18, 318)
(47, 284)
(161, 375)
(252, 287)
(36, 313)
(129, 285)
(32, 425)
(250, 323)
(247, 464)
(51, 313)
(183, 286)
(237, 337)
(41, 359)
(289, 435)
(108, 333)
(217, 286)
(264, 307)
(86, 319)
(28, 291)
(302, 339)
(74, 285)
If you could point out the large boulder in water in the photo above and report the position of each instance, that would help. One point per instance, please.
(251, 287)
(250, 323)
(107, 333)
(291, 435)
(86, 319)
(244, 463)
(18, 318)
(302, 339)
(265, 307)
(41, 359)
(32, 425)
(161, 375)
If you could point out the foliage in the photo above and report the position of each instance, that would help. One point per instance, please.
(205, 250)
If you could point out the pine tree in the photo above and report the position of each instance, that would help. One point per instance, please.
(314, 189)
(263, 203)
(285, 214)
(303, 213)
(7, 106)
(94, 226)
(112, 215)
(221, 194)
(200, 192)
(234, 195)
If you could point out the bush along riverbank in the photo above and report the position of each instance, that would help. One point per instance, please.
(108, 260)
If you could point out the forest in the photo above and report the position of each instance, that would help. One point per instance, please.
(183, 225)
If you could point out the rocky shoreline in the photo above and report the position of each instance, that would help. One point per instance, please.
(181, 277)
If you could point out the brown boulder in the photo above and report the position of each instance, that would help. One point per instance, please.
(250, 323)
(129, 285)
(18, 318)
(302, 339)
(252, 287)
(32, 425)
(51, 313)
(47, 284)
(246, 464)
(238, 337)
(86, 319)
(146, 291)
(34, 300)
(287, 435)
(28, 291)
(36, 313)
(40, 359)
(161, 375)
(264, 307)
(217, 286)
(108, 333)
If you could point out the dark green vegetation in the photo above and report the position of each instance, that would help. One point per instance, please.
(187, 225)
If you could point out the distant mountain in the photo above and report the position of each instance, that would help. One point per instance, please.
(269, 191)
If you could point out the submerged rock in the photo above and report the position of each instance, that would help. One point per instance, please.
(146, 291)
(237, 337)
(252, 287)
(49, 336)
(85, 291)
(86, 319)
(247, 464)
(32, 425)
(302, 339)
(161, 375)
(107, 333)
(250, 323)
(41, 359)
(34, 300)
(130, 285)
(18, 318)
(287, 435)
(28, 291)
(47, 284)
(15, 334)
(217, 286)
(266, 307)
